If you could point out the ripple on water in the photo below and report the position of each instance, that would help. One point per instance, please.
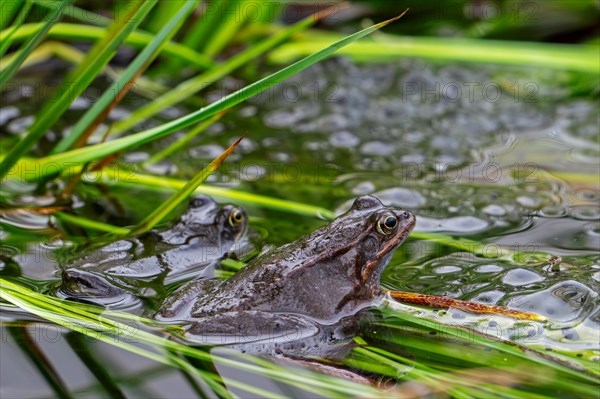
(7, 113)
(553, 211)
(26, 220)
(446, 269)
(491, 268)
(343, 139)
(402, 197)
(378, 148)
(492, 297)
(586, 212)
(458, 224)
(566, 301)
(494, 210)
(19, 125)
(518, 277)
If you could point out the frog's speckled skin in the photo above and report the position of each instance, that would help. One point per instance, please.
(314, 284)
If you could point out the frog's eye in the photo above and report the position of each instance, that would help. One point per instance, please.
(236, 217)
(387, 224)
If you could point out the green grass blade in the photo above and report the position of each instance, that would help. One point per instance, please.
(134, 69)
(31, 349)
(137, 39)
(9, 9)
(83, 75)
(56, 163)
(577, 57)
(51, 19)
(164, 11)
(229, 24)
(206, 23)
(114, 177)
(183, 193)
(7, 40)
(182, 142)
(490, 341)
(95, 367)
(90, 224)
(193, 85)
(102, 324)
(77, 13)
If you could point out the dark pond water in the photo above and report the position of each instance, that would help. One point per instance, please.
(502, 156)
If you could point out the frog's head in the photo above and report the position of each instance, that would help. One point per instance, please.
(370, 232)
(205, 221)
(232, 222)
(386, 227)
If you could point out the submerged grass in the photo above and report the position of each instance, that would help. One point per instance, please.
(121, 329)
(442, 366)
(104, 325)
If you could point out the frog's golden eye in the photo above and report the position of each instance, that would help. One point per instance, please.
(236, 217)
(387, 224)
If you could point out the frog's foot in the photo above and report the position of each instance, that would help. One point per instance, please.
(178, 305)
(92, 287)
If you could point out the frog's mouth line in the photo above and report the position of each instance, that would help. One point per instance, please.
(386, 250)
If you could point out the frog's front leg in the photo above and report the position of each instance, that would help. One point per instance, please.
(254, 331)
(180, 302)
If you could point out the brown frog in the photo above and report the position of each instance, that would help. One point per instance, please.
(292, 298)
(199, 239)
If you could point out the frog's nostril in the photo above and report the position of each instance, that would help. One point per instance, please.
(405, 215)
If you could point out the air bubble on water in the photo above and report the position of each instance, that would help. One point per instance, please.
(565, 301)
(210, 151)
(446, 269)
(55, 244)
(269, 142)
(586, 212)
(280, 119)
(445, 143)
(119, 113)
(25, 220)
(280, 156)
(402, 197)
(518, 277)
(553, 211)
(7, 113)
(363, 188)
(248, 112)
(80, 103)
(171, 113)
(494, 210)
(592, 229)
(20, 125)
(343, 139)
(378, 148)
(528, 202)
(413, 137)
(489, 297)
(161, 168)
(491, 268)
(136, 157)
(464, 224)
